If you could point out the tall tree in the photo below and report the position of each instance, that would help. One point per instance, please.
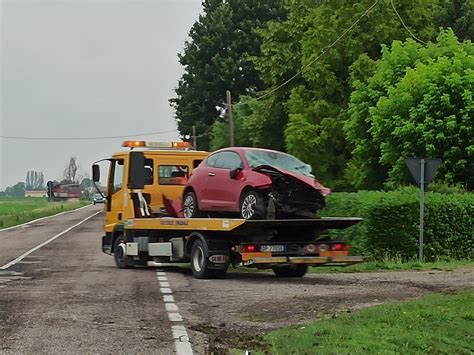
(71, 171)
(34, 180)
(311, 110)
(217, 58)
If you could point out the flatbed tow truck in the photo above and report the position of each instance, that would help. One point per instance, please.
(140, 226)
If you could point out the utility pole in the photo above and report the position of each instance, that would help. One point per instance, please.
(231, 119)
(194, 138)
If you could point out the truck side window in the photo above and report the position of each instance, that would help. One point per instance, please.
(173, 174)
(118, 175)
(196, 163)
(149, 172)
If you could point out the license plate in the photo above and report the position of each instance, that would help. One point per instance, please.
(273, 248)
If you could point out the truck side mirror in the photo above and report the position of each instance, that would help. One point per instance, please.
(136, 171)
(95, 172)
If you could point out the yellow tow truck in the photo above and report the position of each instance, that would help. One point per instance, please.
(140, 225)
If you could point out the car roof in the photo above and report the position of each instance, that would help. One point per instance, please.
(243, 149)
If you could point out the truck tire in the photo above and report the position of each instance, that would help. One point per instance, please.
(200, 262)
(122, 260)
(190, 206)
(291, 271)
(252, 205)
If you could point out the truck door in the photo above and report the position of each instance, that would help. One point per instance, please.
(115, 194)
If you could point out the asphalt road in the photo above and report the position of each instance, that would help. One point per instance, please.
(68, 297)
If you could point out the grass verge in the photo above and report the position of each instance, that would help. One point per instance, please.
(433, 324)
(394, 265)
(18, 211)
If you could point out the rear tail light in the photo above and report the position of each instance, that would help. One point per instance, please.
(340, 247)
(248, 248)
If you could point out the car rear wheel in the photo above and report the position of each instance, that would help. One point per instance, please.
(252, 205)
(190, 206)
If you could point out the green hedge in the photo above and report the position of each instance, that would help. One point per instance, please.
(391, 223)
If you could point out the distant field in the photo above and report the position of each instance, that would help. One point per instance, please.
(15, 211)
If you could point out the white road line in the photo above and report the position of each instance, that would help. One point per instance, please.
(180, 335)
(21, 257)
(171, 307)
(164, 284)
(181, 340)
(168, 298)
(43, 218)
(175, 317)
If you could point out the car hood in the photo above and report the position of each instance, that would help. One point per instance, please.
(312, 182)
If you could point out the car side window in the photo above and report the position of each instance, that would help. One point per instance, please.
(229, 160)
(212, 159)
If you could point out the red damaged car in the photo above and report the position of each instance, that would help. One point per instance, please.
(254, 183)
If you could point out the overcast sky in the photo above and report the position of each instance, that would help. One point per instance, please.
(76, 68)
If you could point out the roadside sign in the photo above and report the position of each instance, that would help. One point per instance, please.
(430, 167)
(423, 171)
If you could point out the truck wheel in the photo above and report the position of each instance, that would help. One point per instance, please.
(200, 262)
(122, 260)
(252, 205)
(290, 271)
(190, 206)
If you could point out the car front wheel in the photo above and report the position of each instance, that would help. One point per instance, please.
(252, 205)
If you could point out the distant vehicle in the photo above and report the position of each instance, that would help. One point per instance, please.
(58, 192)
(255, 183)
(98, 198)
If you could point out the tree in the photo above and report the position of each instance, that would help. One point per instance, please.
(217, 58)
(34, 180)
(71, 171)
(418, 102)
(311, 110)
(17, 190)
(458, 15)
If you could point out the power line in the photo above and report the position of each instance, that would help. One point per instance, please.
(86, 138)
(403, 23)
(323, 52)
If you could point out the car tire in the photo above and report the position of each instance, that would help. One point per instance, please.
(291, 271)
(252, 205)
(190, 206)
(122, 260)
(200, 262)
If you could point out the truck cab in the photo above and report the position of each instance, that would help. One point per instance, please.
(166, 168)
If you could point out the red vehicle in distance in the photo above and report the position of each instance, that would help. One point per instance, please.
(253, 183)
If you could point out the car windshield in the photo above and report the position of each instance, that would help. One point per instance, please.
(97, 194)
(278, 160)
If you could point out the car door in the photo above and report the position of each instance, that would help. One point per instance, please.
(223, 192)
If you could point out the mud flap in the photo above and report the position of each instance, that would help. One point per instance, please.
(107, 244)
(219, 255)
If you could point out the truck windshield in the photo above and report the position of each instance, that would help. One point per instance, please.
(280, 160)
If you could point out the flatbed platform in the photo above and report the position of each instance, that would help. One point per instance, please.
(240, 226)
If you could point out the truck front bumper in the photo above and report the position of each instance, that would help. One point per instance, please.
(308, 260)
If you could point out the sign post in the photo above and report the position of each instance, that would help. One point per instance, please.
(422, 170)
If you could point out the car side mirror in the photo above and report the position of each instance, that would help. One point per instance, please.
(234, 172)
(95, 172)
